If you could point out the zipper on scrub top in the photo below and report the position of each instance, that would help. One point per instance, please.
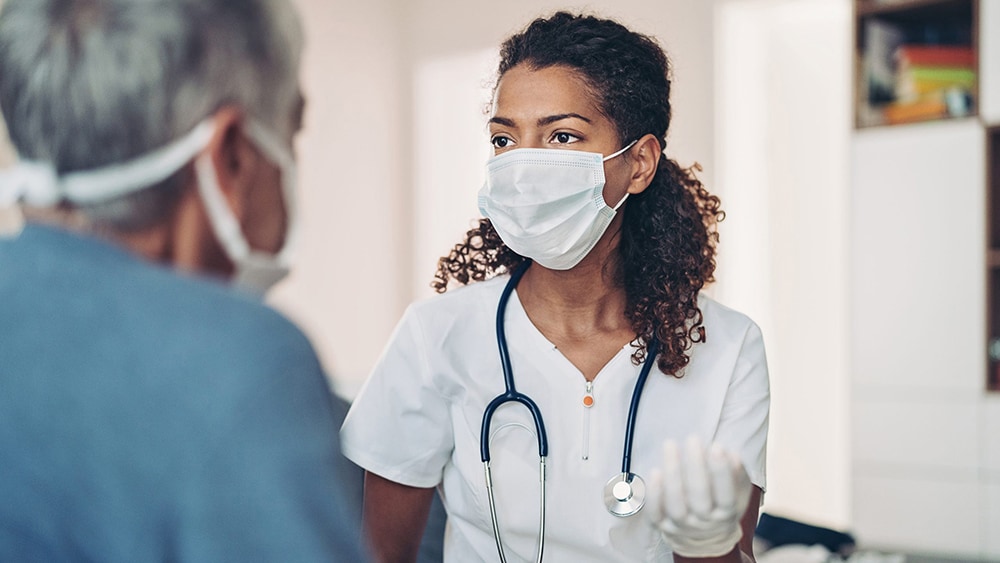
(588, 402)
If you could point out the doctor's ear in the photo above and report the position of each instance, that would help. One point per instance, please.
(645, 157)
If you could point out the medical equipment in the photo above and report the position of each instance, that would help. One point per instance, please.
(624, 493)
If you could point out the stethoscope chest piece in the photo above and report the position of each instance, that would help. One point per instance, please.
(624, 494)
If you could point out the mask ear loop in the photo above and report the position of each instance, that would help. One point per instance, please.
(275, 151)
(619, 153)
(620, 202)
(622, 151)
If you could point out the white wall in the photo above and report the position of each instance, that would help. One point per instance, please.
(449, 146)
(783, 127)
(348, 286)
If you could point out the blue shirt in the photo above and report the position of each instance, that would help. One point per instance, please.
(148, 416)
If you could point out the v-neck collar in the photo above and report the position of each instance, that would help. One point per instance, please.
(517, 319)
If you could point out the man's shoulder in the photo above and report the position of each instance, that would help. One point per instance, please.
(205, 319)
(152, 309)
(85, 315)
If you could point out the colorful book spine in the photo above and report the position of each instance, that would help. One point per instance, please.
(935, 56)
(917, 82)
(922, 110)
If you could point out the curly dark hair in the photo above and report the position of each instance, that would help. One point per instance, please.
(669, 231)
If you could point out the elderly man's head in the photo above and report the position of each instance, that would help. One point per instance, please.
(89, 84)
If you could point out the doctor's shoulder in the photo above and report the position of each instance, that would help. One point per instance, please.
(460, 304)
(723, 324)
(732, 354)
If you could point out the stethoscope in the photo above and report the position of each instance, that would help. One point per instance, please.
(624, 493)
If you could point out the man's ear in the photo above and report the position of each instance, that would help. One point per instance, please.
(645, 157)
(232, 157)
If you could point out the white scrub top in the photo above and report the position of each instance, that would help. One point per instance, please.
(417, 422)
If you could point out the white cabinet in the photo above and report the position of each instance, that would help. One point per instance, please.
(925, 427)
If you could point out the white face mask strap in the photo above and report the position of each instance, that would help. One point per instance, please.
(224, 223)
(33, 182)
(619, 153)
(266, 141)
(621, 201)
(278, 154)
(622, 151)
(37, 183)
(140, 173)
(227, 228)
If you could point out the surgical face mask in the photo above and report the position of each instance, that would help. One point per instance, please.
(548, 204)
(256, 271)
(37, 184)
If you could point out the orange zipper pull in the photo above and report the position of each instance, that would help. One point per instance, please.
(588, 397)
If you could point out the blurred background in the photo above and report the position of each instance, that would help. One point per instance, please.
(857, 234)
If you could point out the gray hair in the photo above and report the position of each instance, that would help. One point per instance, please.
(88, 83)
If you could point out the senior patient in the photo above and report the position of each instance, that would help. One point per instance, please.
(147, 411)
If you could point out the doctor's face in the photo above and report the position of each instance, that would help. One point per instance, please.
(553, 108)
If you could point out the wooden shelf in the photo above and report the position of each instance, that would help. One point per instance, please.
(890, 93)
(909, 9)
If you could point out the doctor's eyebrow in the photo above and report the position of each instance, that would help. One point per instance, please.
(542, 121)
(502, 121)
(553, 118)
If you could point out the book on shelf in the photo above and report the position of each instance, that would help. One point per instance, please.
(920, 110)
(935, 56)
(918, 81)
(952, 102)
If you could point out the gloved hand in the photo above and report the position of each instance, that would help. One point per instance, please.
(697, 499)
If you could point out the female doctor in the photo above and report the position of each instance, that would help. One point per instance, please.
(584, 339)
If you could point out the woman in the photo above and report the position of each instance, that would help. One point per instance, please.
(608, 243)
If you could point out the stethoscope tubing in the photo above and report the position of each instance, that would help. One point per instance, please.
(511, 394)
(633, 408)
(510, 391)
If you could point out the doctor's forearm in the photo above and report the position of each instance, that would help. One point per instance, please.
(394, 519)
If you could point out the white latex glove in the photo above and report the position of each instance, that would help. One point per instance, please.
(697, 499)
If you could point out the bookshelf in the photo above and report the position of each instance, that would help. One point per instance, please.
(993, 257)
(915, 60)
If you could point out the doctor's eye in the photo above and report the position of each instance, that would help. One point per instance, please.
(564, 138)
(501, 142)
